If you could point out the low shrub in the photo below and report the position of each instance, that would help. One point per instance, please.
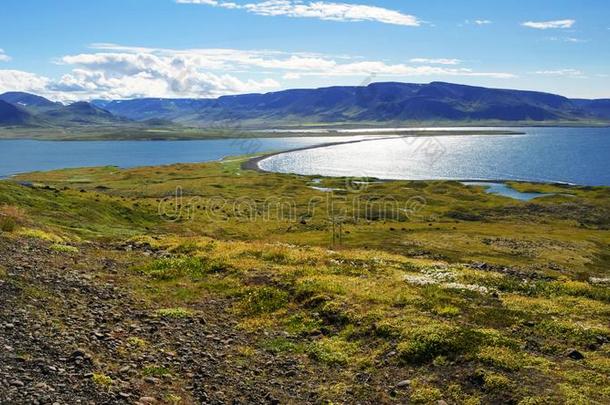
(424, 394)
(501, 357)
(333, 351)
(7, 224)
(176, 267)
(263, 300)
(155, 371)
(425, 343)
(64, 248)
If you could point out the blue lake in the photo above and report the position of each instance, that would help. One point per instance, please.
(571, 155)
(563, 155)
(22, 156)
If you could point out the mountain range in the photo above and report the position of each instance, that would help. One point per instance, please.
(379, 103)
(24, 109)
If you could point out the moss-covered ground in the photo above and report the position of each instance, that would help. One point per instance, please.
(398, 291)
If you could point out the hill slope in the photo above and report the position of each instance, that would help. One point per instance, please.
(80, 113)
(23, 109)
(12, 115)
(378, 102)
(27, 100)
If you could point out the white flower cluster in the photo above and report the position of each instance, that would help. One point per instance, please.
(443, 278)
(470, 287)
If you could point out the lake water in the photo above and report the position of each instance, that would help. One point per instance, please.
(571, 155)
(506, 190)
(565, 155)
(22, 156)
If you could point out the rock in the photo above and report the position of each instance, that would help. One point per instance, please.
(147, 400)
(17, 383)
(403, 384)
(78, 353)
(574, 354)
(441, 402)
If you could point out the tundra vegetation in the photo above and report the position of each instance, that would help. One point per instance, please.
(462, 297)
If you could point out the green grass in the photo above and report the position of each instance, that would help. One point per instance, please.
(475, 299)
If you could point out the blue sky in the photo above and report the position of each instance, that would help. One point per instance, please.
(70, 49)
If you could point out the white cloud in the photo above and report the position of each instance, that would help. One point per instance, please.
(157, 73)
(3, 56)
(119, 72)
(478, 22)
(576, 40)
(317, 9)
(545, 25)
(440, 61)
(571, 40)
(16, 80)
(575, 73)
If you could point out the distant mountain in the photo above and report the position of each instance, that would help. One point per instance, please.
(11, 115)
(27, 100)
(378, 102)
(36, 110)
(599, 108)
(80, 113)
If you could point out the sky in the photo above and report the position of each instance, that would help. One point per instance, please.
(119, 49)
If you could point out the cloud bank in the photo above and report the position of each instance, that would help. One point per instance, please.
(113, 71)
(317, 9)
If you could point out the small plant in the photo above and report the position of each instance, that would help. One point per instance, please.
(279, 345)
(427, 342)
(136, 342)
(424, 394)
(173, 399)
(501, 357)
(333, 351)
(264, 300)
(64, 248)
(10, 217)
(155, 371)
(302, 324)
(497, 383)
(176, 267)
(176, 313)
(246, 351)
(7, 224)
(185, 248)
(101, 380)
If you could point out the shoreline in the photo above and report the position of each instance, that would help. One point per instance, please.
(253, 164)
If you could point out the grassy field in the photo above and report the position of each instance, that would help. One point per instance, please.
(394, 291)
